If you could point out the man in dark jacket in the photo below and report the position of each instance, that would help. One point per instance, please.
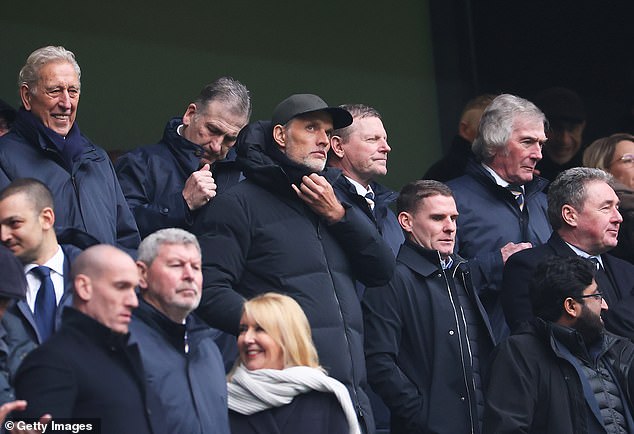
(27, 219)
(427, 337)
(562, 373)
(181, 360)
(583, 210)
(454, 163)
(284, 230)
(501, 203)
(45, 143)
(166, 182)
(360, 151)
(89, 369)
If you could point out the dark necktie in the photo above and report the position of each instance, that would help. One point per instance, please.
(518, 193)
(603, 282)
(369, 198)
(45, 305)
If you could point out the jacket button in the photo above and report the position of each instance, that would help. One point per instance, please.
(462, 398)
(451, 332)
(165, 210)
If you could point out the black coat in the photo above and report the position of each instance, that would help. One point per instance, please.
(87, 371)
(87, 194)
(415, 356)
(534, 388)
(259, 236)
(619, 318)
(309, 413)
(152, 178)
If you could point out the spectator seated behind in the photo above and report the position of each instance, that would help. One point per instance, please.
(277, 381)
(615, 154)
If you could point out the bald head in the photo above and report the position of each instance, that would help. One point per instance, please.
(105, 279)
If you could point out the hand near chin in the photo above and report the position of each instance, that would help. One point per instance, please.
(318, 194)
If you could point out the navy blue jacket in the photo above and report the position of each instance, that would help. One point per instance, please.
(417, 360)
(88, 371)
(152, 178)
(619, 318)
(259, 236)
(87, 195)
(309, 413)
(190, 383)
(382, 216)
(489, 219)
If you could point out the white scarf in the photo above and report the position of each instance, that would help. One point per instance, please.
(253, 391)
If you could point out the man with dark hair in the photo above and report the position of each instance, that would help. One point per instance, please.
(167, 182)
(427, 336)
(45, 143)
(562, 373)
(7, 117)
(27, 220)
(284, 230)
(501, 203)
(181, 360)
(566, 116)
(454, 163)
(89, 369)
(583, 210)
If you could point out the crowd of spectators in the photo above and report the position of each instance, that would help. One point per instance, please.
(247, 276)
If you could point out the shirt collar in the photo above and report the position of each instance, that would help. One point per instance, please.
(498, 180)
(361, 190)
(583, 254)
(55, 263)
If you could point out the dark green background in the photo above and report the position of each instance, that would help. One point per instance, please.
(142, 63)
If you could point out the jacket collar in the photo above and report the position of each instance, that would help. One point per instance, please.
(424, 261)
(531, 188)
(187, 153)
(173, 332)
(97, 332)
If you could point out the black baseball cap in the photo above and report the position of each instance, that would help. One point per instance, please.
(303, 103)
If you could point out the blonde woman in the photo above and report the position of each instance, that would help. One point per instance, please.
(277, 385)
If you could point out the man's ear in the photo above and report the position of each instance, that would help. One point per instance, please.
(189, 114)
(405, 220)
(336, 146)
(25, 96)
(142, 268)
(82, 287)
(279, 135)
(572, 307)
(47, 218)
(569, 215)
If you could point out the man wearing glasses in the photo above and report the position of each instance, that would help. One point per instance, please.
(583, 210)
(562, 372)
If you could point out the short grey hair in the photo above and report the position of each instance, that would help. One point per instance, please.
(496, 124)
(149, 247)
(569, 188)
(30, 73)
(229, 91)
(358, 111)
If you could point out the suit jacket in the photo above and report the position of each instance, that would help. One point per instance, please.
(619, 318)
(22, 310)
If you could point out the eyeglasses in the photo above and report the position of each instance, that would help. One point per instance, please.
(626, 159)
(597, 296)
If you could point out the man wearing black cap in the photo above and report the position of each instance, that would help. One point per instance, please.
(566, 116)
(283, 230)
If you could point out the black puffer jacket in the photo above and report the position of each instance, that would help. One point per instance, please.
(259, 236)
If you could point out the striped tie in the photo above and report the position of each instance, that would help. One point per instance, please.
(518, 193)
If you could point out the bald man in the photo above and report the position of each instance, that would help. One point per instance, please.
(88, 369)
